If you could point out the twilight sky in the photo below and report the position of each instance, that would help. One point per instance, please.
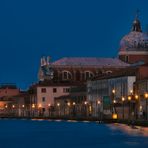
(30, 29)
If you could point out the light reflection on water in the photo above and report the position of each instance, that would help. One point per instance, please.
(136, 131)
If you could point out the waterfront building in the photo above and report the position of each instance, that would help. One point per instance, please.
(7, 91)
(73, 105)
(141, 89)
(105, 92)
(42, 96)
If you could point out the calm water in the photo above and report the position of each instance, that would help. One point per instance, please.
(57, 134)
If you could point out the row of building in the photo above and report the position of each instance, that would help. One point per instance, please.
(102, 88)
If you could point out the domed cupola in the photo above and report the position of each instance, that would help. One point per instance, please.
(134, 46)
(136, 25)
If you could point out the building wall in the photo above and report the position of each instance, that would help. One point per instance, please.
(102, 89)
(9, 92)
(46, 98)
(133, 58)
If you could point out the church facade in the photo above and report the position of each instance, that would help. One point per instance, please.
(133, 49)
(78, 69)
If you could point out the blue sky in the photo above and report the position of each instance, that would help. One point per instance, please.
(30, 29)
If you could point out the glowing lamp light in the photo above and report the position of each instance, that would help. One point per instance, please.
(74, 103)
(115, 116)
(136, 97)
(140, 107)
(49, 105)
(68, 103)
(114, 101)
(113, 91)
(123, 99)
(40, 105)
(146, 95)
(98, 102)
(129, 98)
(33, 105)
(90, 109)
(58, 104)
(131, 91)
(13, 106)
(85, 102)
(23, 106)
(6, 106)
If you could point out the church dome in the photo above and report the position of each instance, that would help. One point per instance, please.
(136, 40)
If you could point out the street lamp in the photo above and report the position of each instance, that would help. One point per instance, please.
(129, 101)
(85, 102)
(114, 101)
(69, 104)
(58, 105)
(123, 99)
(136, 97)
(131, 91)
(136, 106)
(113, 91)
(99, 112)
(33, 107)
(146, 104)
(85, 107)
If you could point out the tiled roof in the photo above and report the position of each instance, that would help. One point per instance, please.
(83, 61)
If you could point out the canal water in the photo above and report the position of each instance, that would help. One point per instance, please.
(59, 134)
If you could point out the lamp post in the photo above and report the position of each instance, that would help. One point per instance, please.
(123, 99)
(23, 110)
(85, 103)
(49, 109)
(58, 105)
(68, 104)
(146, 104)
(136, 106)
(99, 115)
(33, 107)
(114, 101)
(74, 108)
(129, 102)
